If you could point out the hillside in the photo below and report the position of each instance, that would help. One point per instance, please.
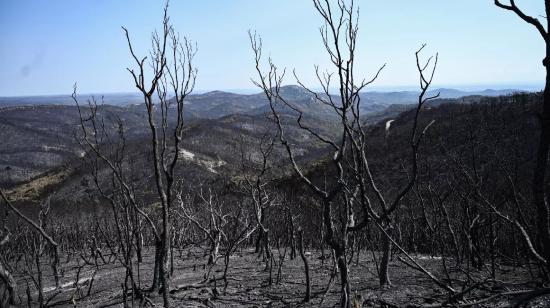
(41, 138)
(36, 139)
(474, 154)
(475, 143)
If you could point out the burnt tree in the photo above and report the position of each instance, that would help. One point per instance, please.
(540, 186)
(170, 62)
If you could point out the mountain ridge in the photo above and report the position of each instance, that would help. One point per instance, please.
(290, 92)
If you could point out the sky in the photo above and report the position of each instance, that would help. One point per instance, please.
(48, 45)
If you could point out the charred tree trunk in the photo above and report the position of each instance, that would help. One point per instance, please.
(539, 186)
(383, 274)
(165, 264)
(7, 287)
(540, 189)
(339, 248)
(345, 300)
(307, 296)
(258, 245)
(215, 248)
(292, 241)
(156, 271)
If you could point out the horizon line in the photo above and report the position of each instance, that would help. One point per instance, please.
(526, 86)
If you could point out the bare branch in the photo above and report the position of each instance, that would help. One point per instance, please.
(529, 19)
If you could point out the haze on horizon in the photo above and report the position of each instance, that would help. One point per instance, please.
(47, 46)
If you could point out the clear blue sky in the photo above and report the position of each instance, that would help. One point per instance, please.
(46, 46)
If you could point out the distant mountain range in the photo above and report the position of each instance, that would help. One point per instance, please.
(217, 104)
(409, 97)
(115, 99)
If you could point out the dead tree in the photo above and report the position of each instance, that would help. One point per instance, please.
(173, 72)
(8, 284)
(210, 217)
(173, 79)
(38, 228)
(256, 176)
(383, 217)
(336, 195)
(540, 186)
(307, 296)
(353, 185)
(105, 151)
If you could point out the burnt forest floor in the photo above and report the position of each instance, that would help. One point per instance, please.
(248, 283)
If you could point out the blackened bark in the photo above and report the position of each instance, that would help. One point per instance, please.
(539, 178)
(306, 267)
(383, 275)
